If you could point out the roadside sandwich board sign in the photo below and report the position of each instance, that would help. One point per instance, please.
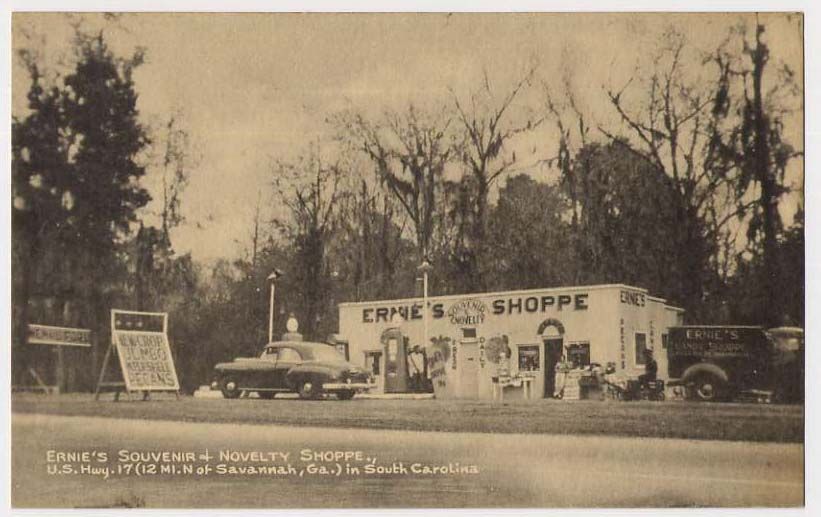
(140, 341)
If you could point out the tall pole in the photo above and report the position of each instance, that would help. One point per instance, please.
(425, 297)
(271, 314)
(275, 274)
(425, 268)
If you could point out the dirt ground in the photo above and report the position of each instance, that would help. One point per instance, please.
(700, 421)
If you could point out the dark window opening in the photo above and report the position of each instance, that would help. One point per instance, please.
(641, 347)
(578, 354)
(372, 362)
(529, 359)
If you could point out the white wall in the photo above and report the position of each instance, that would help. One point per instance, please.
(591, 314)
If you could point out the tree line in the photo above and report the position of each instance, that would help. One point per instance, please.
(681, 197)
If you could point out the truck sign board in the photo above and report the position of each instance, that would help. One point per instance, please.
(714, 342)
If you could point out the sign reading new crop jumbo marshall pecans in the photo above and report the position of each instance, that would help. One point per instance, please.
(145, 355)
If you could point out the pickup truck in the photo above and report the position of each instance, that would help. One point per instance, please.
(719, 363)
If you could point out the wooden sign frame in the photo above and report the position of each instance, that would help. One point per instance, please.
(56, 338)
(125, 384)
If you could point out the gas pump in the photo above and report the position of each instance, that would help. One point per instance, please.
(395, 346)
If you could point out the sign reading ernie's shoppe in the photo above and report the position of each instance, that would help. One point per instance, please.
(145, 355)
(472, 311)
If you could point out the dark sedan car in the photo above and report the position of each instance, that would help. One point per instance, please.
(309, 369)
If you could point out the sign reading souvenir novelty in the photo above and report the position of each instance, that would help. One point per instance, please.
(467, 312)
(142, 345)
(46, 335)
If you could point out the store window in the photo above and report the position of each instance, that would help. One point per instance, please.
(641, 347)
(529, 359)
(578, 354)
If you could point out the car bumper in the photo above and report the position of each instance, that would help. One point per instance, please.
(348, 386)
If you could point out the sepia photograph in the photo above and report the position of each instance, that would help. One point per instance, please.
(406, 260)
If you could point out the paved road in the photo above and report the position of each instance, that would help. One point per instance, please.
(513, 470)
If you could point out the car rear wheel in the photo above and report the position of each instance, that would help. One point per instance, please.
(308, 390)
(345, 394)
(267, 395)
(230, 388)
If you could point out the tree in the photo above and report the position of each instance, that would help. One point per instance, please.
(488, 128)
(530, 236)
(310, 189)
(410, 152)
(755, 148)
(677, 126)
(176, 162)
(629, 217)
(370, 252)
(40, 199)
(77, 172)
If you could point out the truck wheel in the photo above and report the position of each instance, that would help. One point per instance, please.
(345, 395)
(308, 390)
(230, 388)
(707, 388)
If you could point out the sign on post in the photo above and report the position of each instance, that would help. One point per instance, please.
(48, 335)
(59, 337)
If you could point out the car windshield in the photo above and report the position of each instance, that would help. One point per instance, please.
(326, 353)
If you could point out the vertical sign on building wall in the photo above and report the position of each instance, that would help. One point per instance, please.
(142, 345)
(622, 348)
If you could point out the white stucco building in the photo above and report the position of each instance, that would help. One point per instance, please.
(590, 324)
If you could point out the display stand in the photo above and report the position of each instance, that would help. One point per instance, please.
(139, 340)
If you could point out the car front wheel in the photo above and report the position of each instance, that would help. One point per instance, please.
(230, 388)
(308, 390)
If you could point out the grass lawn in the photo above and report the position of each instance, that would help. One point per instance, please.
(747, 422)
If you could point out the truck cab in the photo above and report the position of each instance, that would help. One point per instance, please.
(717, 363)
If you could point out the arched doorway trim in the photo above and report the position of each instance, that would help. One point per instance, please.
(551, 322)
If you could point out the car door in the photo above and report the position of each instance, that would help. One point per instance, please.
(264, 370)
(286, 359)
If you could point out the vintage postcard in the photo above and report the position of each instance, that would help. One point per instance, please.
(407, 260)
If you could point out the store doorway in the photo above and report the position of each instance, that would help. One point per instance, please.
(552, 333)
(553, 348)
(469, 369)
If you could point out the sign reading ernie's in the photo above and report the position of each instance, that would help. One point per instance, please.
(142, 346)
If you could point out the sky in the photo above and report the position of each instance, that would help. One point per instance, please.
(255, 88)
